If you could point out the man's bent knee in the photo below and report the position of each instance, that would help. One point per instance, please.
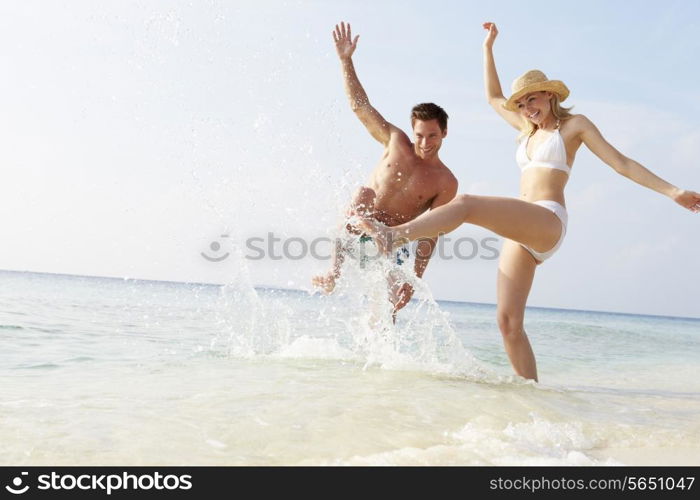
(365, 195)
(363, 201)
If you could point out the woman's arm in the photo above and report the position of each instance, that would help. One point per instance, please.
(594, 140)
(492, 85)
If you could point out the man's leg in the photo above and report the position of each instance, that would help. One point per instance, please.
(362, 204)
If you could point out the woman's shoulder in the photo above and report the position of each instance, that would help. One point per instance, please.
(576, 123)
(577, 118)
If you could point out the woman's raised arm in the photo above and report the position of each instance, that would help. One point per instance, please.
(492, 85)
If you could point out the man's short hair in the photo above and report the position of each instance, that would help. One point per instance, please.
(429, 111)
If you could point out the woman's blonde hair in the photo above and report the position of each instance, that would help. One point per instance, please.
(559, 112)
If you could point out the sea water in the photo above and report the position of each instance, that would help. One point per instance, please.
(99, 371)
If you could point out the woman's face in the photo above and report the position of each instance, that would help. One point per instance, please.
(535, 106)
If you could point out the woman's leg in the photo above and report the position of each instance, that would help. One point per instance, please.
(516, 270)
(514, 219)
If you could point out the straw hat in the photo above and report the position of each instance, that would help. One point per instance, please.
(534, 81)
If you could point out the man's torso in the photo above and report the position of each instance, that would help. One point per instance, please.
(406, 185)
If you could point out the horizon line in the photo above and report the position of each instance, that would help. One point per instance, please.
(275, 287)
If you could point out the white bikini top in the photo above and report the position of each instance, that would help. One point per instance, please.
(550, 154)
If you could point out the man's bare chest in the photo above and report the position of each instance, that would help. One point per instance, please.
(405, 183)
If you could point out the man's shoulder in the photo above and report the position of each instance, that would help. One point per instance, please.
(399, 138)
(449, 181)
(442, 179)
(444, 186)
(445, 175)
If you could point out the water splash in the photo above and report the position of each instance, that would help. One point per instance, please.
(353, 324)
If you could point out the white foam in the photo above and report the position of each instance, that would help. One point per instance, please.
(538, 442)
(315, 348)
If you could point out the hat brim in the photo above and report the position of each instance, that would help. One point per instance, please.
(555, 86)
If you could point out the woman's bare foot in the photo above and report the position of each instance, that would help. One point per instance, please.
(385, 237)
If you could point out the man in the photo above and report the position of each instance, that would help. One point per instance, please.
(409, 179)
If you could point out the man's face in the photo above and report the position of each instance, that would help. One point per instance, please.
(427, 137)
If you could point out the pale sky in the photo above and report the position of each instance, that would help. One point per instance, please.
(136, 133)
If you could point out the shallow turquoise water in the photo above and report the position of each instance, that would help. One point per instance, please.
(105, 371)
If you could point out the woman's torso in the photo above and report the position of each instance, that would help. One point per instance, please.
(545, 159)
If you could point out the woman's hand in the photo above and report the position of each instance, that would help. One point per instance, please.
(491, 36)
(688, 199)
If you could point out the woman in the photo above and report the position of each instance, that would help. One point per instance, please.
(535, 224)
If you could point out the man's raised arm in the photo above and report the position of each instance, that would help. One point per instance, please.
(375, 123)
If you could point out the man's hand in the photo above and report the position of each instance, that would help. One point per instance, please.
(403, 296)
(491, 35)
(325, 282)
(344, 44)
